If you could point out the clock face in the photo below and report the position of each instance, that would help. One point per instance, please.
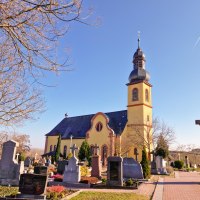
(99, 126)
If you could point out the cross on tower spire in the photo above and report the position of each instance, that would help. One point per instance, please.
(139, 39)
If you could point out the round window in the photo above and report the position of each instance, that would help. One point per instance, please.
(99, 127)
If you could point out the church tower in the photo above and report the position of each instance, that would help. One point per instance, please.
(139, 108)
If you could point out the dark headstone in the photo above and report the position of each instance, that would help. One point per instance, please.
(27, 162)
(61, 166)
(42, 170)
(32, 184)
(114, 168)
(115, 171)
(132, 169)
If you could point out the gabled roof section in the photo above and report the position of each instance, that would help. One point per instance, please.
(79, 125)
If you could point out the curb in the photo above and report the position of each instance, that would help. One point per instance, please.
(71, 195)
(158, 193)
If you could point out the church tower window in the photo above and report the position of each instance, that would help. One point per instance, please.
(135, 94)
(147, 95)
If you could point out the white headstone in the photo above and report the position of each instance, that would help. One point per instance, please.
(72, 170)
(161, 165)
(10, 170)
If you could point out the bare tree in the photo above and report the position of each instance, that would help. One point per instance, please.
(23, 140)
(29, 32)
(3, 138)
(148, 136)
(186, 147)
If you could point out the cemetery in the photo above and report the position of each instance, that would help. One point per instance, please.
(27, 180)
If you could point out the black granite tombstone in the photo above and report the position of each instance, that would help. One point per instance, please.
(115, 171)
(42, 170)
(32, 186)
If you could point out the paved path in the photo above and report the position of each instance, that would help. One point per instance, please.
(185, 186)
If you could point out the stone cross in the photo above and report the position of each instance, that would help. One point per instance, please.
(136, 154)
(96, 148)
(74, 148)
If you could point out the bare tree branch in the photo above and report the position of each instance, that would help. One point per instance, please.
(29, 33)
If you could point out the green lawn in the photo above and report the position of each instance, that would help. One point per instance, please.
(108, 196)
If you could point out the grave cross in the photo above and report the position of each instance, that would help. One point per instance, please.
(136, 154)
(74, 148)
(96, 148)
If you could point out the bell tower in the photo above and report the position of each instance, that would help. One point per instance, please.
(139, 108)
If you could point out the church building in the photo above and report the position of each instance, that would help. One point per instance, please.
(123, 132)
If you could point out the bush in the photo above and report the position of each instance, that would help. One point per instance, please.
(145, 164)
(84, 171)
(178, 164)
(104, 180)
(84, 152)
(57, 192)
(129, 182)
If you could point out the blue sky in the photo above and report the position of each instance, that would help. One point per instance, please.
(101, 58)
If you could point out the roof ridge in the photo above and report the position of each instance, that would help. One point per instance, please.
(96, 113)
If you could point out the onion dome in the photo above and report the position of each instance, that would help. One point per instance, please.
(139, 73)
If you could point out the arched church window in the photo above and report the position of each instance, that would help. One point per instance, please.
(99, 126)
(50, 148)
(104, 154)
(135, 94)
(92, 149)
(147, 95)
(65, 151)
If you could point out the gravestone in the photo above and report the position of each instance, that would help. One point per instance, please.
(61, 166)
(96, 163)
(10, 170)
(153, 164)
(161, 165)
(42, 170)
(72, 170)
(27, 162)
(115, 171)
(132, 169)
(32, 186)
